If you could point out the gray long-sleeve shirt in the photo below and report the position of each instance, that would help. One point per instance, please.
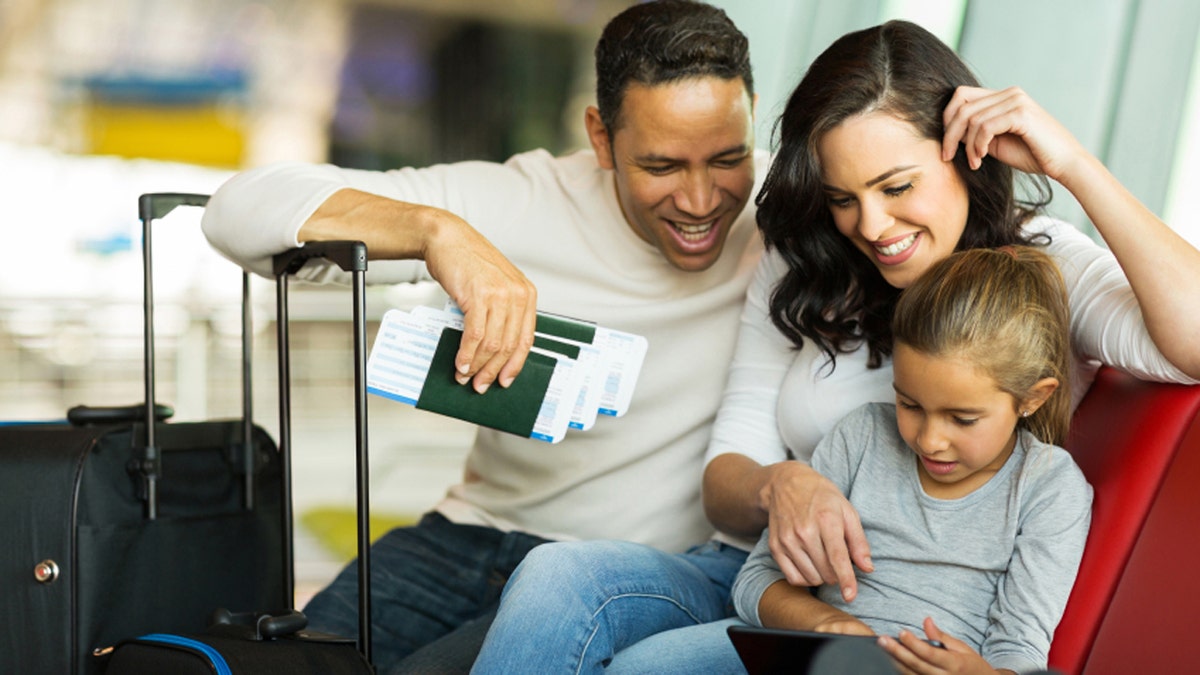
(993, 568)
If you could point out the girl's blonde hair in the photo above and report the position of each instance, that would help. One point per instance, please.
(1005, 311)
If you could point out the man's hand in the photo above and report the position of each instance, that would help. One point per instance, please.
(499, 304)
(815, 534)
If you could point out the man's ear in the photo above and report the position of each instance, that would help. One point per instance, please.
(598, 135)
(1039, 393)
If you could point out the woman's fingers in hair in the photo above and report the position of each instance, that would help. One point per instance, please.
(1010, 126)
(976, 117)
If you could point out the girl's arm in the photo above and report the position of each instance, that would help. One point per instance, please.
(1161, 266)
(786, 606)
(1055, 515)
(763, 597)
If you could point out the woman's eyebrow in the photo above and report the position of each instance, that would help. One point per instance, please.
(874, 181)
(889, 173)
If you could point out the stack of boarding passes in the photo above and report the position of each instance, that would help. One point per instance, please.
(575, 372)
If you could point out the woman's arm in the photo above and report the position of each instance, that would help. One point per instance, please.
(747, 475)
(1161, 266)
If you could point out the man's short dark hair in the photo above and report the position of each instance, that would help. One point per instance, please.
(665, 41)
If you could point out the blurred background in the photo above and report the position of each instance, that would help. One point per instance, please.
(102, 100)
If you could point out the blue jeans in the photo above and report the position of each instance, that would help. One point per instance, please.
(573, 607)
(434, 591)
(702, 648)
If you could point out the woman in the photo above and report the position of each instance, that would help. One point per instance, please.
(890, 158)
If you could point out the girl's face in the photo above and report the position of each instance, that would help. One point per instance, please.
(891, 194)
(961, 426)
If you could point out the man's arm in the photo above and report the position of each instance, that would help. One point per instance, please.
(264, 211)
(499, 304)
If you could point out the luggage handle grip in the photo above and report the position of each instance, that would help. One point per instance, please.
(266, 625)
(83, 415)
(155, 205)
(350, 256)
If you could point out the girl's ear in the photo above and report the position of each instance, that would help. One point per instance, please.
(1038, 394)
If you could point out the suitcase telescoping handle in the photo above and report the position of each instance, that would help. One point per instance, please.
(350, 256)
(152, 207)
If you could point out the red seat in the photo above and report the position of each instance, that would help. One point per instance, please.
(1133, 605)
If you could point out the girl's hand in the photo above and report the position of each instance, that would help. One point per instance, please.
(914, 655)
(815, 534)
(1010, 126)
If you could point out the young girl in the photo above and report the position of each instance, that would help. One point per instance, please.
(975, 517)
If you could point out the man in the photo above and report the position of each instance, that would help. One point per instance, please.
(648, 233)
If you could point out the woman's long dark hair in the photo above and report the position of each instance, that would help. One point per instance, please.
(831, 293)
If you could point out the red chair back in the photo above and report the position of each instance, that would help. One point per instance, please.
(1133, 605)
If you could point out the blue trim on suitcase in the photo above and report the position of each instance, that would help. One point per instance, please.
(214, 656)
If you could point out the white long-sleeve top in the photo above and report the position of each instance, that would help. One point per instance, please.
(779, 399)
(636, 477)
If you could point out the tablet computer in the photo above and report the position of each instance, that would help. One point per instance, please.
(776, 650)
(767, 651)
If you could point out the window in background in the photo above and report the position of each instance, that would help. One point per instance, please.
(1182, 211)
(420, 88)
(943, 18)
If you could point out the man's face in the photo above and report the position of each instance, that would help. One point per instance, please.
(682, 157)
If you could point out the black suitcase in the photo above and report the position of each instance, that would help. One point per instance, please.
(118, 523)
(274, 641)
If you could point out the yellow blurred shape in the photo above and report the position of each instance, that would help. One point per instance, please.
(208, 134)
(337, 529)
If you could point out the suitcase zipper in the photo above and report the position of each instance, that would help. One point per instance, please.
(214, 657)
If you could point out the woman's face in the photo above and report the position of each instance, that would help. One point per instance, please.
(891, 194)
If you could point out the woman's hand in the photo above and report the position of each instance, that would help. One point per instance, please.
(1010, 126)
(815, 534)
(914, 655)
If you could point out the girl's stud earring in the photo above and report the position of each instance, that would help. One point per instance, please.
(1024, 413)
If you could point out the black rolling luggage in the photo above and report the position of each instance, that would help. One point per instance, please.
(274, 640)
(119, 523)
